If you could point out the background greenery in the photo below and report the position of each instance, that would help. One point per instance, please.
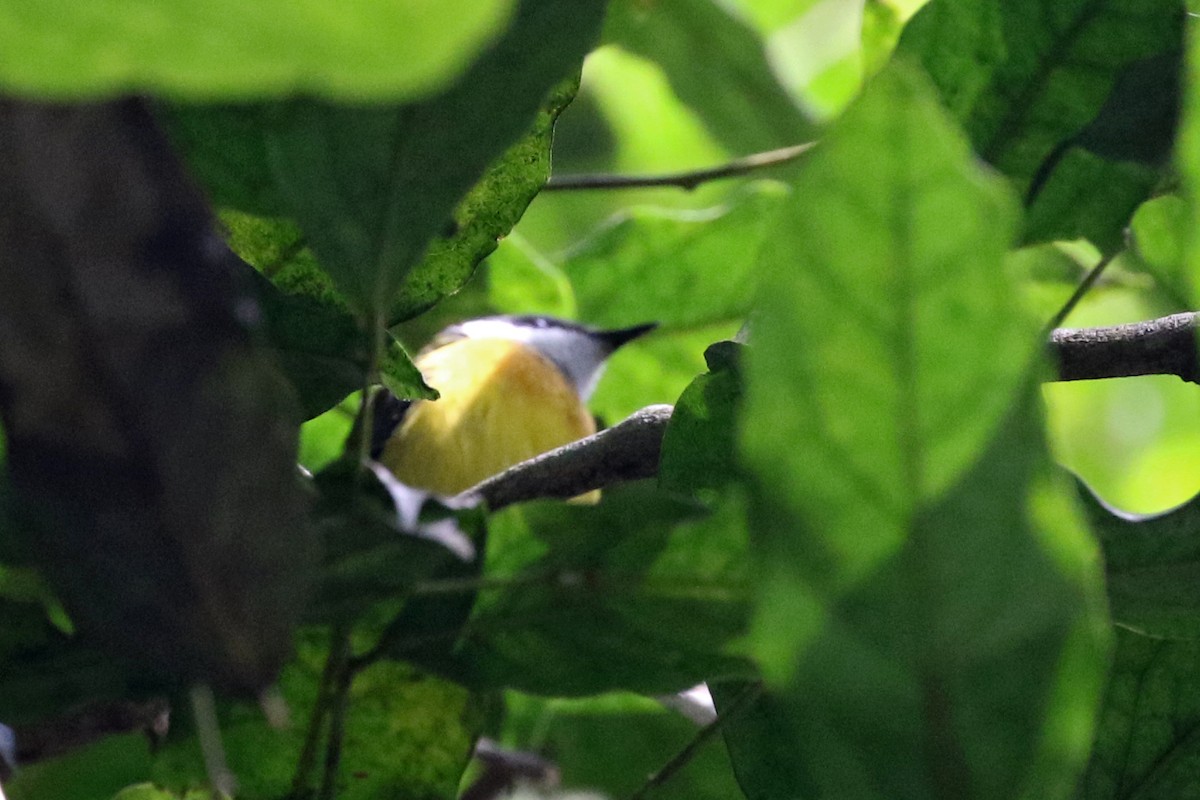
(863, 536)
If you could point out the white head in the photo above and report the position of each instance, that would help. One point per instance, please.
(579, 352)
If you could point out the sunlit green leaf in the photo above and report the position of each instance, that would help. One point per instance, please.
(223, 48)
(1159, 238)
(682, 268)
(406, 734)
(916, 551)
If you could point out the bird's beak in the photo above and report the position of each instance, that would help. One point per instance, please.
(619, 336)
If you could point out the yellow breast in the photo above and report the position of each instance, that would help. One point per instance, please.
(501, 403)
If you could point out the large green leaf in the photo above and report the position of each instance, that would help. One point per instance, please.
(210, 49)
(731, 86)
(1055, 94)
(917, 553)
(635, 593)
(1146, 745)
(372, 186)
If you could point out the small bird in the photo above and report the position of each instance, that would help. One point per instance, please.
(512, 387)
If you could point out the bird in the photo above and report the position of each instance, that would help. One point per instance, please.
(510, 388)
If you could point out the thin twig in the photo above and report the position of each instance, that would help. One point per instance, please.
(1082, 289)
(687, 180)
(702, 737)
(307, 762)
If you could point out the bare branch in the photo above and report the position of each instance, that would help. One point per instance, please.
(688, 180)
(631, 449)
(1163, 346)
(627, 451)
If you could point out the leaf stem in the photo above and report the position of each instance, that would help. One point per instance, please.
(687, 180)
(702, 737)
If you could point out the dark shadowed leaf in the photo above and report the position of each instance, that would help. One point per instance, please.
(731, 87)
(1058, 104)
(1146, 745)
(636, 593)
(151, 446)
(916, 554)
(318, 343)
(382, 537)
(222, 48)
(1152, 563)
(373, 187)
(612, 742)
(699, 447)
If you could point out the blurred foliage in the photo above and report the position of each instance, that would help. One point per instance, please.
(858, 537)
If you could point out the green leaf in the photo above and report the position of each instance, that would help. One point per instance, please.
(891, 343)
(763, 758)
(915, 552)
(1159, 239)
(382, 537)
(731, 86)
(487, 214)
(635, 593)
(372, 187)
(95, 772)
(1152, 564)
(1146, 745)
(1188, 163)
(1056, 104)
(316, 341)
(700, 444)
(407, 734)
(213, 49)
(610, 744)
(1089, 197)
(684, 269)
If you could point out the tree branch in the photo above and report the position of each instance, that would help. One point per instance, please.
(688, 180)
(627, 451)
(1163, 346)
